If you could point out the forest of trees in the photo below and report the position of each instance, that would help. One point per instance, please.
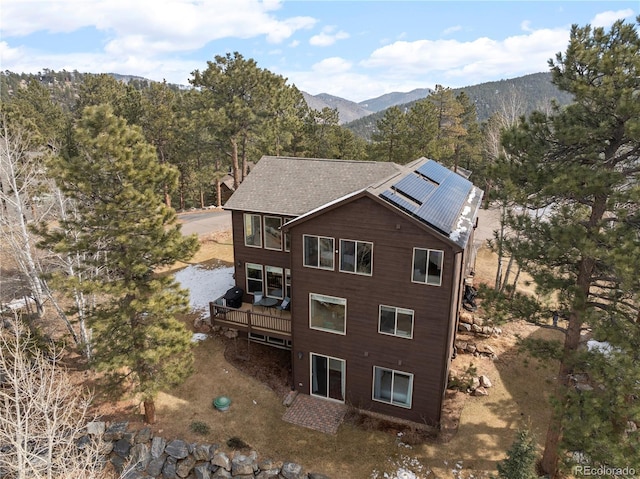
(92, 169)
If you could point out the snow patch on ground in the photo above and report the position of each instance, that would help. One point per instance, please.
(204, 285)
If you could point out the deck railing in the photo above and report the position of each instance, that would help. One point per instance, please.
(250, 321)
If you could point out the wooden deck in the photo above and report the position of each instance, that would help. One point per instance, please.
(267, 321)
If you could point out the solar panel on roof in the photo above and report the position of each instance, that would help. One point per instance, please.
(399, 201)
(434, 171)
(414, 187)
(438, 205)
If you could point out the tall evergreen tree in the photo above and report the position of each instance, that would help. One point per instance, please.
(583, 163)
(123, 227)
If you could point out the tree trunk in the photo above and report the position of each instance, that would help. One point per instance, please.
(549, 462)
(218, 193)
(149, 411)
(234, 163)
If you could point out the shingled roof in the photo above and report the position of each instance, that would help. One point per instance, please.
(294, 186)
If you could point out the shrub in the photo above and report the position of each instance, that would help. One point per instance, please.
(200, 427)
(521, 458)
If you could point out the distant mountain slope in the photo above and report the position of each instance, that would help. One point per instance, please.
(347, 110)
(536, 89)
(396, 98)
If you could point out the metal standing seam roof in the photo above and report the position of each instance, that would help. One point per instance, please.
(295, 186)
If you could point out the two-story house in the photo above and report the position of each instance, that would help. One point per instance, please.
(373, 257)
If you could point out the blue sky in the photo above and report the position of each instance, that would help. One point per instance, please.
(353, 49)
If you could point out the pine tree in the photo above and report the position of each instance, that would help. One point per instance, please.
(582, 165)
(124, 229)
(521, 458)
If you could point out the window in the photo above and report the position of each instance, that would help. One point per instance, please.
(272, 232)
(287, 237)
(318, 252)
(274, 281)
(254, 278)
(327, 313)
(396, 321)
(252, 230)
(356, 256)
(287, 281)
(393, 387)
(427, 266)
(327, 377)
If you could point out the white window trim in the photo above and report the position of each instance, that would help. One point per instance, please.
(397, 309)
(326, 330)
(273, 269)
(333, 246)
(356, 257)
(244, 228)
(246, 274)
(286, 245)
(426, 281)
(344, 377)
(264, 226)
(390, 401)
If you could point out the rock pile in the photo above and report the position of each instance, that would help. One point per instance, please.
(153, 457)
(474, 385)
(473, 324)
(472, 347)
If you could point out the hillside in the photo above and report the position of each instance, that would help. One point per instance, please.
(536, 89)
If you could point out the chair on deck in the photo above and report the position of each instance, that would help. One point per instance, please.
(257, 298)
(284, 306)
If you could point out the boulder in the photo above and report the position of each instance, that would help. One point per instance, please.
(471, 348)
(157, 447)
(144, 435)
(169, 468)
(202, 471)
(221, 460)
(202, 452)
(291, 470)
(475, 383)
(116, 431)
(185, 466)
(96, 428)
(464, 327)
(480, 391)
(485, 349)
(485, 382)
(461, 345)
(316, 475)
(478, 321)
(466, 317)
(221, 474)
(122, 448)
(177, 448)
(154, 468)
(244, 464)
(140, 456)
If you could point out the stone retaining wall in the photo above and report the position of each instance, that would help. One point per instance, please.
(144, 456)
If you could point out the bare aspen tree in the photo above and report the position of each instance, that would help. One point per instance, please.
(44, 415)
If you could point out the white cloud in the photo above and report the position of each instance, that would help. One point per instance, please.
(174, 25)
(332, 65)
(453, 29)
(472, 61)
(327, 37)
(606, 19)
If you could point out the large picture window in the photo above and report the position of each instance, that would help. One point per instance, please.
(272, 232)
(356, 256)
(318, 252)
(252, 230)
(393, 387)
(274, 281)
(396, 321)
(254, 278)
(427, 266)
(327, 313)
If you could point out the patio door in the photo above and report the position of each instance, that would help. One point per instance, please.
(327, 377)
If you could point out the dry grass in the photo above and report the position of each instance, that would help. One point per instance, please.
(487, 425)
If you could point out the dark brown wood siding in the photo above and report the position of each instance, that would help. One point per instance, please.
(426, 355)
(246, 254)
